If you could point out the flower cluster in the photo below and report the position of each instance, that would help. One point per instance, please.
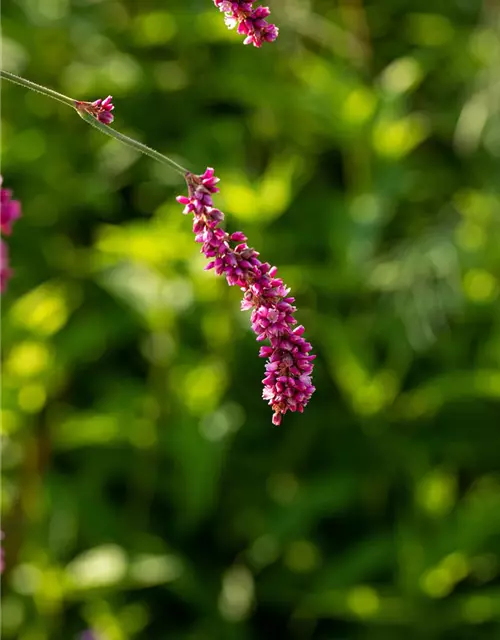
(10, 211)
(5, 270)
(100, 109)
(287, 384)
(251, 22)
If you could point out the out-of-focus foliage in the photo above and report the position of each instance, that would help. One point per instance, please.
(145, 492)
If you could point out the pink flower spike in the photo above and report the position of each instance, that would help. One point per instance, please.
(249, 21)
(10, 210)
(5, 270)
(287, 381)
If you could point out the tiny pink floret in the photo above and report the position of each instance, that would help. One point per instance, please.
(287, 383)
(101, 109)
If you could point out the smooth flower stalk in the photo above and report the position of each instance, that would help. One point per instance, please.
(250, 21)
(287, 384)
(98, 114)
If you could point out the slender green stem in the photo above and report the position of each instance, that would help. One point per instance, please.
(37, 87)
(104, 128)
(135, 144)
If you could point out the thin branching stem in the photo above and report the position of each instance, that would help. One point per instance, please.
(38, 88)
(135, 144)
(90, 119)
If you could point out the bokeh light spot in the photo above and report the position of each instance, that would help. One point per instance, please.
(98, 567)
(237, 593)
(302, 556)
(28, 359)
(480, 285)
(363, 601)
(154, 28)
(32, 398)
(478, 609)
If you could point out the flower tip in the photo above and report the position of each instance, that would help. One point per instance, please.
(249, 21)
(100, 109)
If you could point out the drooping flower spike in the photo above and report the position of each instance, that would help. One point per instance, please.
(250, 21)
(5, 270)
(287, 384)
(10, 211)
(100, 109)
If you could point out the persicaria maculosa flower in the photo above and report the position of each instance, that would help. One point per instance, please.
(5, 270)
(100, 109)
(250, 21)
(287, 384)
(10, 211)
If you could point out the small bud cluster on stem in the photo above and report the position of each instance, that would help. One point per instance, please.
(287, 384)
(100, 109)
(10, 211)
(250, 21)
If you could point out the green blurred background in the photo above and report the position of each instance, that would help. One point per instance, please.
(145, 492)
